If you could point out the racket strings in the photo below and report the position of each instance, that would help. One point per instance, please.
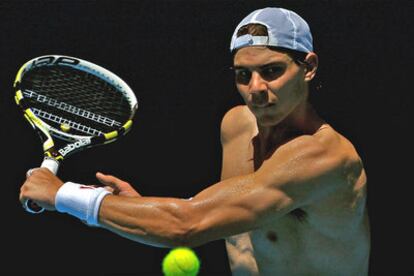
(71, 109)
(73, 125)
(86, 103)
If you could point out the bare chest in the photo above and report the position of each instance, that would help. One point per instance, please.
(295, 246)
(298, 243)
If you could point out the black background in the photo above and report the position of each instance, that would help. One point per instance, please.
(174, 55)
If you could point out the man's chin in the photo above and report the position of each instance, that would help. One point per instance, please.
(267, 120)
(266, 116)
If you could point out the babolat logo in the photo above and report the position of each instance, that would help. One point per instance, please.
(46, 60)
(78, 144)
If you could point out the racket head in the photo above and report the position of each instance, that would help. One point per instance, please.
(74, 102)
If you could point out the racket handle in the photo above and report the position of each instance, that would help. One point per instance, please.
(53, 166)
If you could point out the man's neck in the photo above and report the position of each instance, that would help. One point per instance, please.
(304, 120)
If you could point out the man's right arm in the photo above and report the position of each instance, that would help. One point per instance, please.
(295, 175)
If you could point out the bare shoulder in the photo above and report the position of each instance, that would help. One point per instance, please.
(330, 146)
(314, 166)
(341, 148)
(237, 121)
(333, 158)
(345, 180)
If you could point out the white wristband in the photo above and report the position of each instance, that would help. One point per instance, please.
(81, 201)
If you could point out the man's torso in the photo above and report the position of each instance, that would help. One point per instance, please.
(327, 238)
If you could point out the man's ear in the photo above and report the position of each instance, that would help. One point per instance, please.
(312, 62)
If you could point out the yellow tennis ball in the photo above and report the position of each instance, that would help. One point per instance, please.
(181, 261)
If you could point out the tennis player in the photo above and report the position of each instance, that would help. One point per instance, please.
(292, 199)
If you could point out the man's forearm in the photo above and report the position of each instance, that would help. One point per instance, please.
(161, 222)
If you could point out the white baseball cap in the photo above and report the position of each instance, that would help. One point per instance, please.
(285, 29)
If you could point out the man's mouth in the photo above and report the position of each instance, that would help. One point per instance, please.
(265, 105)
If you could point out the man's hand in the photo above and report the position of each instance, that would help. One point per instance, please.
(41, 186)
(117, 186)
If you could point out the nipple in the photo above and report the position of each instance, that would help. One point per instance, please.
(271, 236)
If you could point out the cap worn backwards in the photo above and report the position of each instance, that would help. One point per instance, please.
(285, 29)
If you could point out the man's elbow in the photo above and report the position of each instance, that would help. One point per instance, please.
(190, 237)
(169, 235)
(188, 232)
(180, 237)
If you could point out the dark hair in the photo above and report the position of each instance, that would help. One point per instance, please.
(261, 30)
(253, 29)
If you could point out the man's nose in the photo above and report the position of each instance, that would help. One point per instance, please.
(258, 90)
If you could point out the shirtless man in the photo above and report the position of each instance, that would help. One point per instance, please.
(292, 199)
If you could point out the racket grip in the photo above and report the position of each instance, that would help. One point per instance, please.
(50, 164)
(53, 166)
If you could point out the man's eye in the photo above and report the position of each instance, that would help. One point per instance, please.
(243, 76)
(243, 73)
(272, 72)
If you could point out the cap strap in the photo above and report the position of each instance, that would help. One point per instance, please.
(250, 40)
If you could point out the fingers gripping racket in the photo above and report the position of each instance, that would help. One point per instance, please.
(73, 104)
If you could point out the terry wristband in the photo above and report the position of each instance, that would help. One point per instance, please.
(81, 201)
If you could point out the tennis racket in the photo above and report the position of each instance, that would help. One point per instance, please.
(73, 104)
